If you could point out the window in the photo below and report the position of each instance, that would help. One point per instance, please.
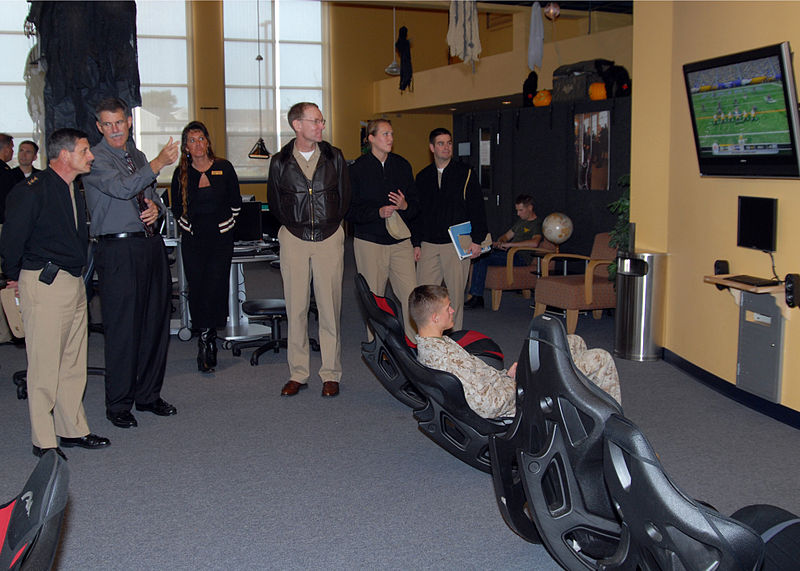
(164, 75)
(14, 46)
(290, 34)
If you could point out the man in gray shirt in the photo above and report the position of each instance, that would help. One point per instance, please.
(131, 262)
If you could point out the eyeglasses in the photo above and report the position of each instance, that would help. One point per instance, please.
(118, 124)
(315, 121)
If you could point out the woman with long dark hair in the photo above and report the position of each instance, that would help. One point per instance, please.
(205, 201)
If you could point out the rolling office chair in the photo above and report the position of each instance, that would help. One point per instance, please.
(30, 524)
(664, 529)
(547, 468)
(436, 397)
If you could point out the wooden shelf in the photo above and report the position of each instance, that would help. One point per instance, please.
(721, 280)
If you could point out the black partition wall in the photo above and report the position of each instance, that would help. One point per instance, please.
(533, 150)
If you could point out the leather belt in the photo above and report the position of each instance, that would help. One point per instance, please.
(122, 235)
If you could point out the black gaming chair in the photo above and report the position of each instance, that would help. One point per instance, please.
(30, 524)
(548, 467)
(446, 418)
(384, 319)
(664, 529)
(381, 317)
(436, 397)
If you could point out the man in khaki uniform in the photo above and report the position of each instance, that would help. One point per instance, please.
(309, 192)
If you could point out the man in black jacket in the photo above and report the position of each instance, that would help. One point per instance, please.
(44, 246)
(309, 192)
(449, 194)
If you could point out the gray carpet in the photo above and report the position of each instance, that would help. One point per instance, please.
(244, 479)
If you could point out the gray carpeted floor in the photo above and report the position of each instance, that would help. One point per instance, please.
(244, 479)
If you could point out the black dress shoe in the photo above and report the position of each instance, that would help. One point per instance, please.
(474, 302)
(89, 441)
(159, 407)
(122, 419)
(39, 452)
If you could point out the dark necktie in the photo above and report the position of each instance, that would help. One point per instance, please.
(140, 195)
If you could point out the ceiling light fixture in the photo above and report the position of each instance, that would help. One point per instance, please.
(393, 68)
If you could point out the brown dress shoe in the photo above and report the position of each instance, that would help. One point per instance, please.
(292, 388)
(330, 388)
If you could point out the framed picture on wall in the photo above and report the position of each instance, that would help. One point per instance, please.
(592, 136)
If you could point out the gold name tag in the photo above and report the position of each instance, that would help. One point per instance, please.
(215, 172)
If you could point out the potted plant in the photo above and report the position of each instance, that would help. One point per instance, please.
(620, 233)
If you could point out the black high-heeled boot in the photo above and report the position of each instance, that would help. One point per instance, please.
(203, 352)
(211, 340)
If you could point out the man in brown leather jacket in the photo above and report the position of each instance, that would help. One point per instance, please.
(308, 191)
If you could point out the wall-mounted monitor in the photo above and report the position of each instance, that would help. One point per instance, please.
(744, 113)
(758, 223)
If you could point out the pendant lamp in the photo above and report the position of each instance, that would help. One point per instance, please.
(259, 150)
(393, 68)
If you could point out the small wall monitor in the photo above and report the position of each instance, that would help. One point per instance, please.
(744, 113)
(758, 221)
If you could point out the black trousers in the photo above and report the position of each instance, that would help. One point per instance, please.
(207, 265)
(135, 301)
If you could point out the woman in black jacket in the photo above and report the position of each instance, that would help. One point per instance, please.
(205, 201)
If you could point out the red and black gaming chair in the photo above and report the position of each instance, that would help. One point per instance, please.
(30, 524)
(381, 313)
(436, 397)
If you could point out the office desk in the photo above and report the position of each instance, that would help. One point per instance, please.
(239, 327)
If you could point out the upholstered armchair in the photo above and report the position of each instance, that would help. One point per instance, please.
(511, 277)
(590, 291)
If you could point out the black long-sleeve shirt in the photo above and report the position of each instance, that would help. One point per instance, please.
(449, 205)
(370, 184)
(40, 227)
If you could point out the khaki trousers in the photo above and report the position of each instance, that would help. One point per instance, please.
(56, 330)
(440, 262)
(393, 262)
(302, 260)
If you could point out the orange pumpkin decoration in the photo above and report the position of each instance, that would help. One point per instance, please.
(542, 98)
(597, 91)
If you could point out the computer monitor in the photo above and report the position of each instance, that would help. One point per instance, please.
(248, 223)
(757, 227)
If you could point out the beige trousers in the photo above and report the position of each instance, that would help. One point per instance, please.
(439, 262)
(393, 262)
(56, 330)
(302, 260)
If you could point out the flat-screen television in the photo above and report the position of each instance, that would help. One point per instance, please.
(758, 221)
(744, 113)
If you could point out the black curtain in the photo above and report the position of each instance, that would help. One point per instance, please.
(90, 52)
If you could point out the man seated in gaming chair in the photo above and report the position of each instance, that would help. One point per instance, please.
(489, 392)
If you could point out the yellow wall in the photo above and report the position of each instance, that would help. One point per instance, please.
(361, 48)
(694, 219)
(503, 74)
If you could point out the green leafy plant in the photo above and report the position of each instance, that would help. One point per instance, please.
(620, 233)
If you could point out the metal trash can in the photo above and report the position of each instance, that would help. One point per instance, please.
(640, 305)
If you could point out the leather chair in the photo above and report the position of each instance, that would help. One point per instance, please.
(511, 277)
(436, 397)
(590, 291)
(662, 528)
(547, 468)
(30, 524)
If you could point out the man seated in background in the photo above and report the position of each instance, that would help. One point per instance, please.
(489, 392)
(527, 231)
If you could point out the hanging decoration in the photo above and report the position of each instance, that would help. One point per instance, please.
(462, 33)
(404, 49)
